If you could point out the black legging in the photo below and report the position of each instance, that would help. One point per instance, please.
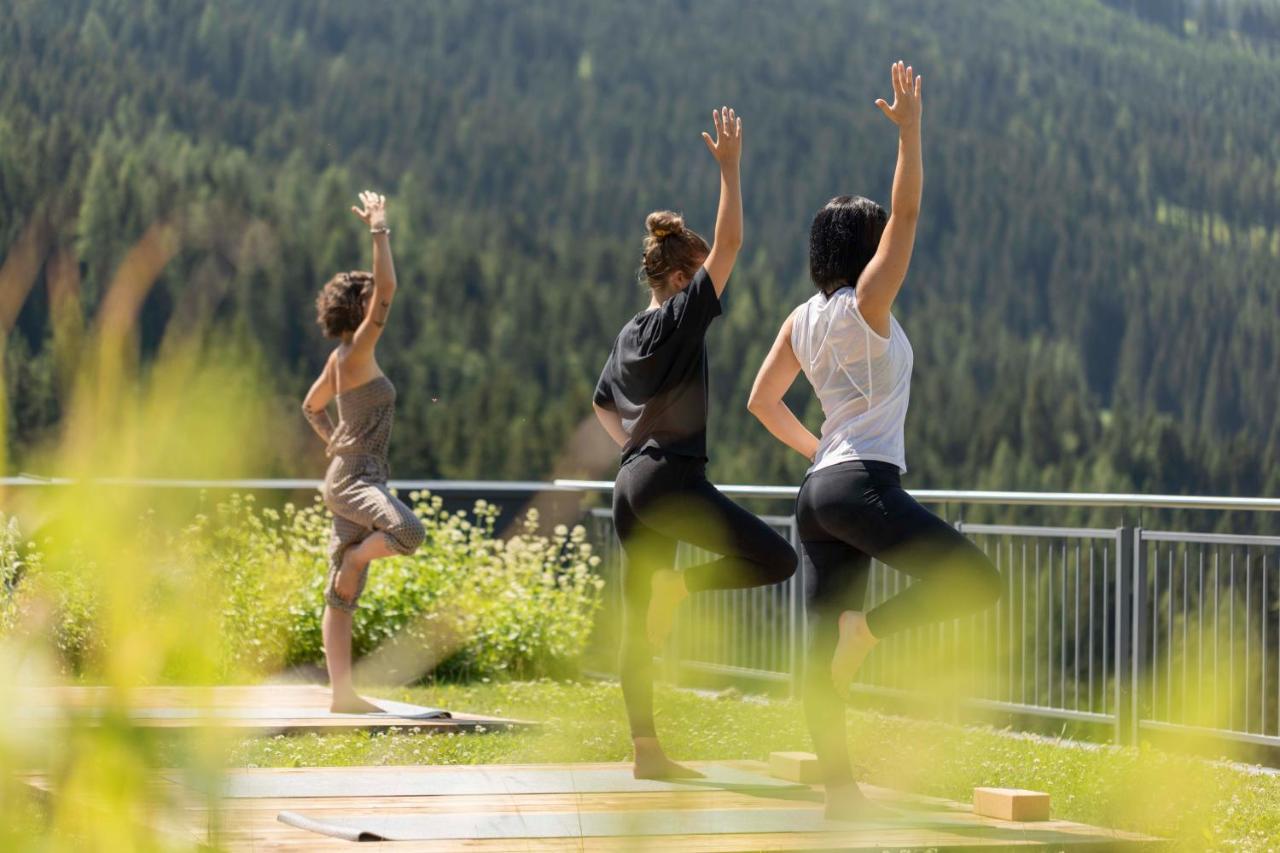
(848, 514)
(658, 501)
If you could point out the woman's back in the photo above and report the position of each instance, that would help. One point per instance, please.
(365, 415)
(862, 379)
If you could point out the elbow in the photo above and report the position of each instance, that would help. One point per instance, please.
(757, 405)
(732, 242)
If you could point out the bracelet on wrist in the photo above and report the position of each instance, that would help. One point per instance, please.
(381, 229)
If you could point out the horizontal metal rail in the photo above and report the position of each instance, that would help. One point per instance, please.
(938, 496)
(496, 487)
(1210, 538)
(930, 496)
(1056, 532)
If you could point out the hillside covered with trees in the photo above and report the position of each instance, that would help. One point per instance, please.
(1094, 300)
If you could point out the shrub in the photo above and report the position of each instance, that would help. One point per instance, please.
(477, 604)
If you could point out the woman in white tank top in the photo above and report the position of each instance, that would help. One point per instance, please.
(852, 507)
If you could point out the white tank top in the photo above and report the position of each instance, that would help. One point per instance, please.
(863, 380)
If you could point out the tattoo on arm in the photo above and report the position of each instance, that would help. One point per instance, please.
(380, 313)
(320, 422)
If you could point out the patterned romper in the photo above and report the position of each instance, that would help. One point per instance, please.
(355, 486)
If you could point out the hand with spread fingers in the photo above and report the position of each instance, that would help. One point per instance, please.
(905, 110)
(727, 145)
(374, 211)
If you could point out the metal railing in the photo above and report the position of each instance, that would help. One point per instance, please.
(1136, 629)
(1139, 630)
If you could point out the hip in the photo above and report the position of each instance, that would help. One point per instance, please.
(649, 473)
(348, 469)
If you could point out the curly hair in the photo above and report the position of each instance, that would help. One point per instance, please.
(670, 247)
(842, 240)
(340, 305)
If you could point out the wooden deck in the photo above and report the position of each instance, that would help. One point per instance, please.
(249, 823)
(268, 708)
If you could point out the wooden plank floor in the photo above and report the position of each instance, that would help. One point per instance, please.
(300, 707)
(250, 824)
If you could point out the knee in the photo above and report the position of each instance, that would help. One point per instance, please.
(782, 561)
(408, 534)
(984, 581)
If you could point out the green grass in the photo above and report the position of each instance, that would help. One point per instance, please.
(1198, 803)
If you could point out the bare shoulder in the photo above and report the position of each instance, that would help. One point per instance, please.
(790, 322)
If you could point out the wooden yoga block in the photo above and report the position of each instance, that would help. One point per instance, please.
(1010, 804)
(795, 767)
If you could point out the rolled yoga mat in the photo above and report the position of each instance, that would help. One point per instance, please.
(350, 782)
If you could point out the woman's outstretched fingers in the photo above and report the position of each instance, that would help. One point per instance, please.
(363, 210)
(905, 109)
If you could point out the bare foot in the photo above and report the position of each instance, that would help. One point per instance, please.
(347, 583)
(847, 802)
(668, 591)
(652, 763)
(855, 643)
(350, 703)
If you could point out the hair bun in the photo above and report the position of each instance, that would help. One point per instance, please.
(663, 223)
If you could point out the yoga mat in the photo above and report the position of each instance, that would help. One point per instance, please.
(391, 711)
(586, 824)
(396, 710)
(339, 782)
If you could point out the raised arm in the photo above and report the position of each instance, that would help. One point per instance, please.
(879, 283)
(776, 375)
(727, 149)
(374, 214)
(314, 405)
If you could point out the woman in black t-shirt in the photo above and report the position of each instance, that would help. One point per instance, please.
(652, 400)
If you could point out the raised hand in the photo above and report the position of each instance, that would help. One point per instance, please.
(374, 212)
(905, 111)
(727, 146)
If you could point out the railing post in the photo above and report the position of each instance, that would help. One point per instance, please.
(1132, 626)
(1125, 694)
(1143, 615)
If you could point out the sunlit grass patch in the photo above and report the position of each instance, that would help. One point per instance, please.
(1199, 804)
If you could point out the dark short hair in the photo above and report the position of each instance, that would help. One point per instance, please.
(340, 305)
(842, 240)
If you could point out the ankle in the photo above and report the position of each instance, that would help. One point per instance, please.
(855, 622)
(647, 747)
(671, 582)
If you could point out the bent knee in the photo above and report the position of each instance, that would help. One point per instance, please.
(984, 582)
(408, 535)
(782, 562)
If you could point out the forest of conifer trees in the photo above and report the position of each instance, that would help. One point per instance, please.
(1093, 302)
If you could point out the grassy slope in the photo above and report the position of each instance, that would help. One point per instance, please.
(1201, 804)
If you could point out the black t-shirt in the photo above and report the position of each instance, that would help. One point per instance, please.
(656, 375)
